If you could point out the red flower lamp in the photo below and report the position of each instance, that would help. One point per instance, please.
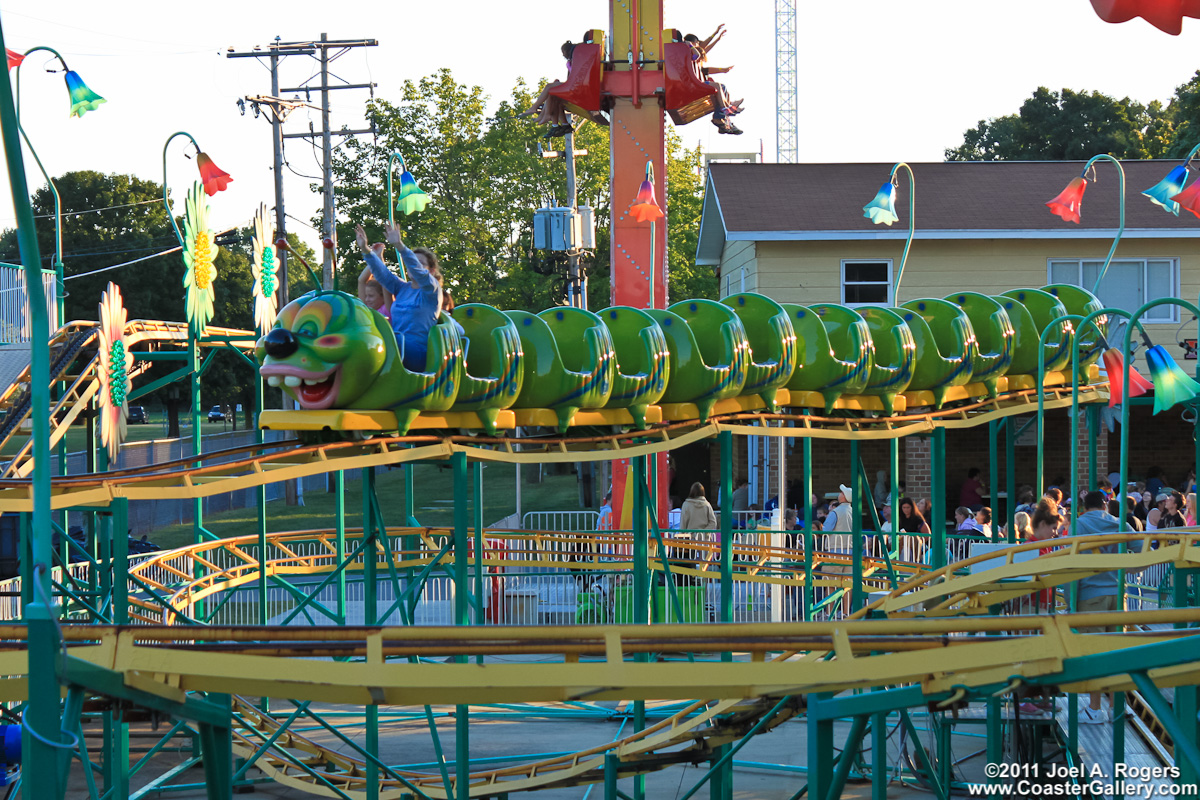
(1069, 201)
(213, 177)
(14, 58)
(645, 206)
(1189, 198)
(1114, 365)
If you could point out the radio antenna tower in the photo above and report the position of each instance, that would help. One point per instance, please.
(786, 148)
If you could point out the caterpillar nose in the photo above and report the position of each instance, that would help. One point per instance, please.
(280, 343)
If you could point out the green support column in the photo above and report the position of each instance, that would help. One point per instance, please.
(1093, 429)
(937, 494)
(370, 617)
(810, 539)
(116, 753)
(994, 470)
(1010, 475)
(120, 562)
(477, 527)
(339, 513)
(641, 590)
(894, 491)
(725, 439)
(42, 713)
(879, 760)
(462, 748)
(856, 532)
(995, 737)
(820, 751)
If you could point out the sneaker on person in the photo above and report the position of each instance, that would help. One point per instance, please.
(1093, 716)
(1030, 709)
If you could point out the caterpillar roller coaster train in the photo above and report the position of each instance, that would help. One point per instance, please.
(330, 352)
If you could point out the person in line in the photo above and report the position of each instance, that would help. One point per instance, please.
(984, 519)
(697, 511)
(1189, 514)
(417, 302)
(373, 295)
(1055, 494)
(837, 539)
(964, 521)
(1172, 516)
(1098, 593)
(740, 502)
(1131, 519)
(883, 490)
(911, 519)
(723, 107)
(885, 517)
(971, 493)
(1145, 503)
(1025, 500)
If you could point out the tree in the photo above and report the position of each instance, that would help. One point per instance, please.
(1066, 125)
(486, 178)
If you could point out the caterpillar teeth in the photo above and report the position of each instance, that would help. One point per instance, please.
(312, 382)
(292, 381)
(274, 380)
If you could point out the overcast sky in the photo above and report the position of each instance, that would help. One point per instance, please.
(878, 80)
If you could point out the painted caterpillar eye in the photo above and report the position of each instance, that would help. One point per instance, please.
(331, 341)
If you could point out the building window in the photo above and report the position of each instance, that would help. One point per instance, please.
(867, 283)
(1128, 284)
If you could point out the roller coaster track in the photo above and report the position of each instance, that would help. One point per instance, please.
(973, 655)
(74, 361)
(687, 736)
(252, 466)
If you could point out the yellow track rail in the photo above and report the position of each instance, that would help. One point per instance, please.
(249, 467)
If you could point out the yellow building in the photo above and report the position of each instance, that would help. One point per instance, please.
(796, 233)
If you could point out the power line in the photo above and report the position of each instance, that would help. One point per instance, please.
(91, 210)
(174, 249)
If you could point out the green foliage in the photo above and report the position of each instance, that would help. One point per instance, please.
(486, 177)
(1065, 126)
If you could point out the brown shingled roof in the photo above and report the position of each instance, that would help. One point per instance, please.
(951, 195)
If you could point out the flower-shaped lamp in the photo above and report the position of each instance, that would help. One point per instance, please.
(1171, 384)
(1167, 188)
(883, 207)
(1069, 201)
(1114, 365)
(645, 206)
(83, 99)
(411, 197)
(14, 58)
(213, 177)
(1166, 15)
(1189, 198)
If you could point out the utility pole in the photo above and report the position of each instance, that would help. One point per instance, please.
(280, 108)
(326, 51)
(576, 280)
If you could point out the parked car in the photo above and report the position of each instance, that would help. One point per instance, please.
(137, 414)
(216, 414)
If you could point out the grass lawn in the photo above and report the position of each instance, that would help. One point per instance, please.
(434, 506)
(156, 428)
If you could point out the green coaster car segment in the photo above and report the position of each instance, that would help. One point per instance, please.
(993, 334)
(945, 344)
(564, 378)
(492, 369)
(328, 350)
(895, 355)
(643, 365)
(708, 348)
(1078, 300)
(1045, 308)
(771, 359)
(834, 351)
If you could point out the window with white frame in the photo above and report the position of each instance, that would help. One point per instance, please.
(867, 282)
(1128, 284)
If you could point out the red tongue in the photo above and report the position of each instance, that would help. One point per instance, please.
(315, 393)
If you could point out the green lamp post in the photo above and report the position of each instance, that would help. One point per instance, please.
(883, 210)
(83, 100)
(1069, 203)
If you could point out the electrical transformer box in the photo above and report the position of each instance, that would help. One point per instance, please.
(558, 228)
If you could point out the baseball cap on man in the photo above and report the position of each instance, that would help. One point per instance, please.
(846, 490)
(1162, 496)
